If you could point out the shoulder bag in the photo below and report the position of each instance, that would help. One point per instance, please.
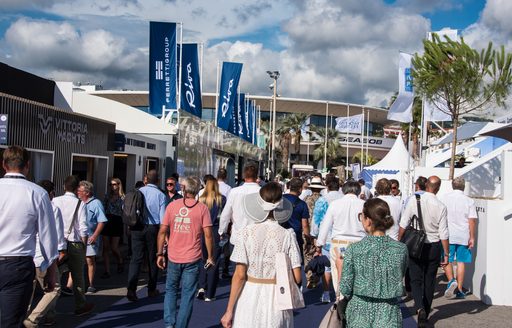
(288, 295)
(415, 236)
(335, 316)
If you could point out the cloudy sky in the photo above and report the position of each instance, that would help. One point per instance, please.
(340, 50)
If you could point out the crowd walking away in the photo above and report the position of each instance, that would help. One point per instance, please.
(351, 240)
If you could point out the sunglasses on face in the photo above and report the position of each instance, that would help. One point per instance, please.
(170, 184)
(113, 184)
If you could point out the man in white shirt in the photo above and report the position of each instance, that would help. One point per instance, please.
(224, 188)
(423, 270)
(44, 311)
(383, 189)
(26, 211)
(365, 191)
(74, 217)
(462, 218)
(234, 210)
(342, 217)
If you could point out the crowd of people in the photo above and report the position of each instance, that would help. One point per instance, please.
(342, 235)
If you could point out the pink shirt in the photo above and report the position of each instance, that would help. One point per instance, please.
(186, 225)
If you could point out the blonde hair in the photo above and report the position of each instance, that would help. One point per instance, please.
(211, 194)
(120, 189)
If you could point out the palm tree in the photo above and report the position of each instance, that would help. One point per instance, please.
(368, 159)
(334, 149)
(290, 129)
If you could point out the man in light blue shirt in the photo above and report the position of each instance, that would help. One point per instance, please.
(145, 237)
(26, 210)
(95, 222)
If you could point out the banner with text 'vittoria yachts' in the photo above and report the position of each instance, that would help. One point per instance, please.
(190, 80)
(162, 67)
(226, 110)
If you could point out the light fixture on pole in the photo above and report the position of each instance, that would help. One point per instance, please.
(273, 75)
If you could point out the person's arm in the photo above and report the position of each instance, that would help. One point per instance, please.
(472, 230)
(446, 249)
(325, 226)
(401, 232)
(305, 228)
(225, 216)
(210, 243)
(92, 239)
(162, 234)
(46, 228)
(237, 283)
(162, 206)
(297, 275)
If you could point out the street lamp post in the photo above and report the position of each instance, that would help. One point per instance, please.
(273, 75)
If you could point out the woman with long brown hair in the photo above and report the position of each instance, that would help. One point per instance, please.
(209, 277)
(113, 230)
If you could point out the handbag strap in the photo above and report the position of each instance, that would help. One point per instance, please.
(75, 216)
(420, 215)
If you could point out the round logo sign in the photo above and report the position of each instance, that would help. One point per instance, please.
(3, 118)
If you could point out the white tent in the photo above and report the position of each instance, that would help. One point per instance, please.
(394, 165)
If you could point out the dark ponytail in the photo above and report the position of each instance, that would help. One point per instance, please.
(378, 211)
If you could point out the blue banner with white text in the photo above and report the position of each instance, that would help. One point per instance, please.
(226, 109)
(249, 120)
(162, 67)
(242, 132)
(190, 80)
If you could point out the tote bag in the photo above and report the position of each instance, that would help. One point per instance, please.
(287, 295)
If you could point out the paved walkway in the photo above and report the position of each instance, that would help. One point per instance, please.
(113, 310)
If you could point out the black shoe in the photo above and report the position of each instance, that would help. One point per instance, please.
(153, 293)
(66, 291)
(422, 318)
(132, 296)
(88, 307)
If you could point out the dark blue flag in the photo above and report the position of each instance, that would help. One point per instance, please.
(226, 113)
(190, 80)
(241, 126)
(162, 67)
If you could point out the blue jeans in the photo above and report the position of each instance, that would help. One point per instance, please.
(188, 275)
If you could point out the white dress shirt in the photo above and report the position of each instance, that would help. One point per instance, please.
(38, 258)
(460, 208)
(434, 217)
(395, 207)
(366, 192)
(67, 204)
(342, 216)
(234, 210)
(224, 188)
(26, 210)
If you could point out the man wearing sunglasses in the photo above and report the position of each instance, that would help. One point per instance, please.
(170, 190)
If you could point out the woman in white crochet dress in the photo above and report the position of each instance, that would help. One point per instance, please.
(251, 301)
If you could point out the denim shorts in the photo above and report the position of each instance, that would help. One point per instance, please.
(459, 253)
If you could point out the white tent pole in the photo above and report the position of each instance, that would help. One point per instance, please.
(178, 105)
(367, 133)
(362, 143)
(326, 133)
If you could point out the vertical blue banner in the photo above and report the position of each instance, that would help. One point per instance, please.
(162, 67)
(248, 120)
(241, 117)
(226, 111)
(190, 80)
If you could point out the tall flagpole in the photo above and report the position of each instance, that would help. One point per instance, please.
(217, 93)
(346, 142)
(362, 143)
(181, 63)
(367, 133)
(326, 134)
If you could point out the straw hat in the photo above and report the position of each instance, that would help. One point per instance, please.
(257, 209)
(316, 182)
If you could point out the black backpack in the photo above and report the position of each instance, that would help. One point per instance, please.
(134, 209)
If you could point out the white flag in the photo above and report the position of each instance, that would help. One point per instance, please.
(431, 112)
(304, 130)
(401, 109)
(351, 124)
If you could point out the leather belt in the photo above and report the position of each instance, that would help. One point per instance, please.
(15, 258)
(261, 280)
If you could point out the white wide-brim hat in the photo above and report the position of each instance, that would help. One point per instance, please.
(258, 209)
(316, 182)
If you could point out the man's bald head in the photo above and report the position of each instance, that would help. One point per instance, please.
(433, 184)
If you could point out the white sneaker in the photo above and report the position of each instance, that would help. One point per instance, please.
(200, 293)
(206, 299)
(326, 298)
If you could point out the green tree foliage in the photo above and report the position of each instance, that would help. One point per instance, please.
(467, 80)
(368, 160)
(288, 129)
(335, 150)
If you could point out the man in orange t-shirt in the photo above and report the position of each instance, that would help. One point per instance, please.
(185, 221)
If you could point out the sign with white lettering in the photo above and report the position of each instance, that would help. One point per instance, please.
(3, 129)
(227, 96)
(190, 80)
(162, 67)
(64, 130)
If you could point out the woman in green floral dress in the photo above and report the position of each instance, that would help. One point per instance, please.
(373, 272)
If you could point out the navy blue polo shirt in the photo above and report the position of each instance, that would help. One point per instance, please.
(300, 211)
